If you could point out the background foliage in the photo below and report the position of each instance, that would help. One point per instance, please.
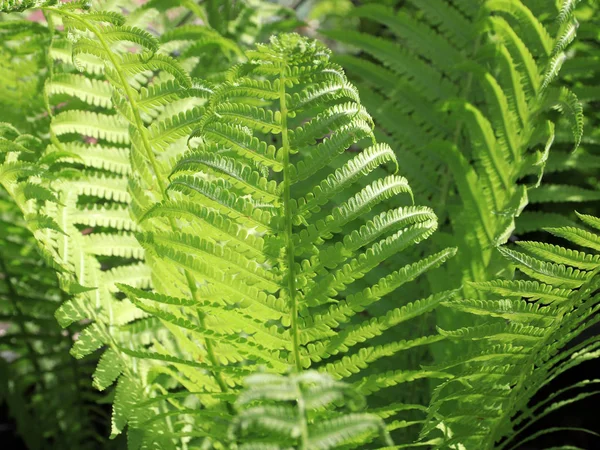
(215, 232)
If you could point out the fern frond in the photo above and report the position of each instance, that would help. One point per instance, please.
(243, 257)
(91, 91)
(532, 328)
(109, 128)
(45, 390)
(264, 406)
(569, 172)
(419, 82)
(551, 252)
(562, 193)
(91, 181)
(210, 209)
(547, 272)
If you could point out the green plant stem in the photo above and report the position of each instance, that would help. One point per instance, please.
(289, 243)
(151, 157)
(446, 177)
(302, 417)
(457, 132)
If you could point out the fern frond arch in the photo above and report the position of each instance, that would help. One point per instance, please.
(245, 253)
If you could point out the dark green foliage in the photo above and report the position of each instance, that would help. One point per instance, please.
(48, 392)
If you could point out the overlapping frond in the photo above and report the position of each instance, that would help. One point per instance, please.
(136, 140)
(523, 344)
(130, 109)
(464, 94)
(262, 266)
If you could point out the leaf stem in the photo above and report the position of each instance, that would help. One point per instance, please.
(289, 243)
(302, 417)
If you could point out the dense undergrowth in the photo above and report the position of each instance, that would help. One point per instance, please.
(216, 232)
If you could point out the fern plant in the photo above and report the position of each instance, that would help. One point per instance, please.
(259, 271)
(88, 163)
(91, 207)
(463, 90)
(306, 424)
(236, 247)
(571, 176)
(48, 392)
(520, 347)
(466, 92)
(331, 105)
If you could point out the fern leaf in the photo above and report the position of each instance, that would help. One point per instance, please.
(99, 126)
(554, 253)
(93, 92)
(295, 424)
(562, 193)
(554, 274)
(578, 236)
(529, 336)
(268, 198)
(89, 340)
(108, 370)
